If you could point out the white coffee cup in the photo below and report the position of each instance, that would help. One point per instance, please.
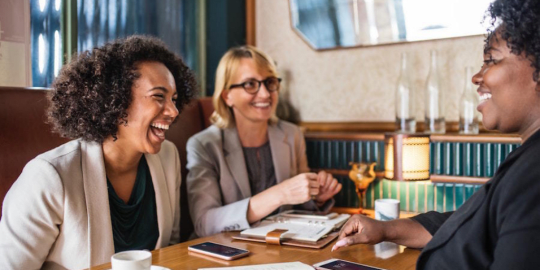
(386, 209)
(385, 250)
(132, 260)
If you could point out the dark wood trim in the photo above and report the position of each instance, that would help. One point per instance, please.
(345, 136)
(346, 210)
(490, 138)
(348, 126)
(479, 138)
(436, 178)
(250, 22)
(451, 127)
(368, 212)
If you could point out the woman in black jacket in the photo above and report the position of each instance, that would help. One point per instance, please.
(499, 226)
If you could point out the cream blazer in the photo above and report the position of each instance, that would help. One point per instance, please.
(218, 184)
(56, 215)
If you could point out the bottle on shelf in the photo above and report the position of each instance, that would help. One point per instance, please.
(468, 115)
(434, 108)
(405, 113)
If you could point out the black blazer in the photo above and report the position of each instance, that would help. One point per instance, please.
(498, 227)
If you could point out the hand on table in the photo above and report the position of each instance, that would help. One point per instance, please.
(360, 229)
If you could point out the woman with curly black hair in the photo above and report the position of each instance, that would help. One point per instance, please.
(499, 226)
(116, 186)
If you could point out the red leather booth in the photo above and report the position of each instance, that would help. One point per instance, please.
(24, 134)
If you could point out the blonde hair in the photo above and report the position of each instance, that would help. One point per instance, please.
(223, 116)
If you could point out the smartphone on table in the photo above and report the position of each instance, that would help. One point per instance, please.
(337, 264)
(219, 251)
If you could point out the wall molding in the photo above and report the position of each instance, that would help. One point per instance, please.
(382, 126)
(437, 178)
(250, 23)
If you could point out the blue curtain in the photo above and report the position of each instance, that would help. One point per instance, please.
(100, 21)
(46, 42)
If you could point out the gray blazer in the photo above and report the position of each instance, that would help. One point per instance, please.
(56, 215)
(217, 182)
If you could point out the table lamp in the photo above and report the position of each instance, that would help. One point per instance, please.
(406, 157)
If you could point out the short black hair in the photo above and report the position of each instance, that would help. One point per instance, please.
(91, 94)
(519, 27)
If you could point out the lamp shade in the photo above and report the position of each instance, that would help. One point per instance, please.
(406, 156)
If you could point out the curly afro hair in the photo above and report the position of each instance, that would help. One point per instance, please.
(90, 96)
(519, 27)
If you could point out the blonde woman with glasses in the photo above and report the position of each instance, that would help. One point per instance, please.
(249, 164)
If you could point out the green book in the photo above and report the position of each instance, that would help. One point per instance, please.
(478, 153)
(439, 156)
(448, 158)
(458, 158)
(488, 159)
(499, 153)
(468, 159)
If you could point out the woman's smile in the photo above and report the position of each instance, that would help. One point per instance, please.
(484, 97)
(158, 130)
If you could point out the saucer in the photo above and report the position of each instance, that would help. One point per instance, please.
(157, 267)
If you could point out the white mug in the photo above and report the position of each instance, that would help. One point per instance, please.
(386, 209)
(132, 260)
(385, 250)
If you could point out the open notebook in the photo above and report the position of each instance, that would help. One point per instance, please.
(300, 229)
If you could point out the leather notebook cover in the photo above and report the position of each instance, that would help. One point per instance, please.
(289, 242)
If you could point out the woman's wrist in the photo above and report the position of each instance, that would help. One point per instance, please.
(279, 192)
(388, 230)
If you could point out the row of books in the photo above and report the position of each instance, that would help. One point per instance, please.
(446, 158)
(468, 159)
(335, 154)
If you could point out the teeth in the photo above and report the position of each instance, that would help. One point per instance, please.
(160, 126)
(484, 97)
(261, 104)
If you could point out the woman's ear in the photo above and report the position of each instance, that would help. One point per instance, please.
(226, 98)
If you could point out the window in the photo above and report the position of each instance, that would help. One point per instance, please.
(100, 21)
(46, 42)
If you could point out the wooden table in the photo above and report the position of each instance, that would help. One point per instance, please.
(385, 255)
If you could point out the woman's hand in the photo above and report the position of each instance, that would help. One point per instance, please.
(364, 230)
(329, 187)
(299, 189)
(360, 229)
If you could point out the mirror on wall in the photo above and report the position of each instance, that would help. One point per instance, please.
(328, 24)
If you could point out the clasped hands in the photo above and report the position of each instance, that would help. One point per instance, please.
(320, 187)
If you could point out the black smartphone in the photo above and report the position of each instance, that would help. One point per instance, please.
(219, 251)
(337, 264)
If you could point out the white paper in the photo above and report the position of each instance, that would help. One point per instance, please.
(273, 266)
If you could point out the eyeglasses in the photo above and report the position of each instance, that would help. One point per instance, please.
(252, 86)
